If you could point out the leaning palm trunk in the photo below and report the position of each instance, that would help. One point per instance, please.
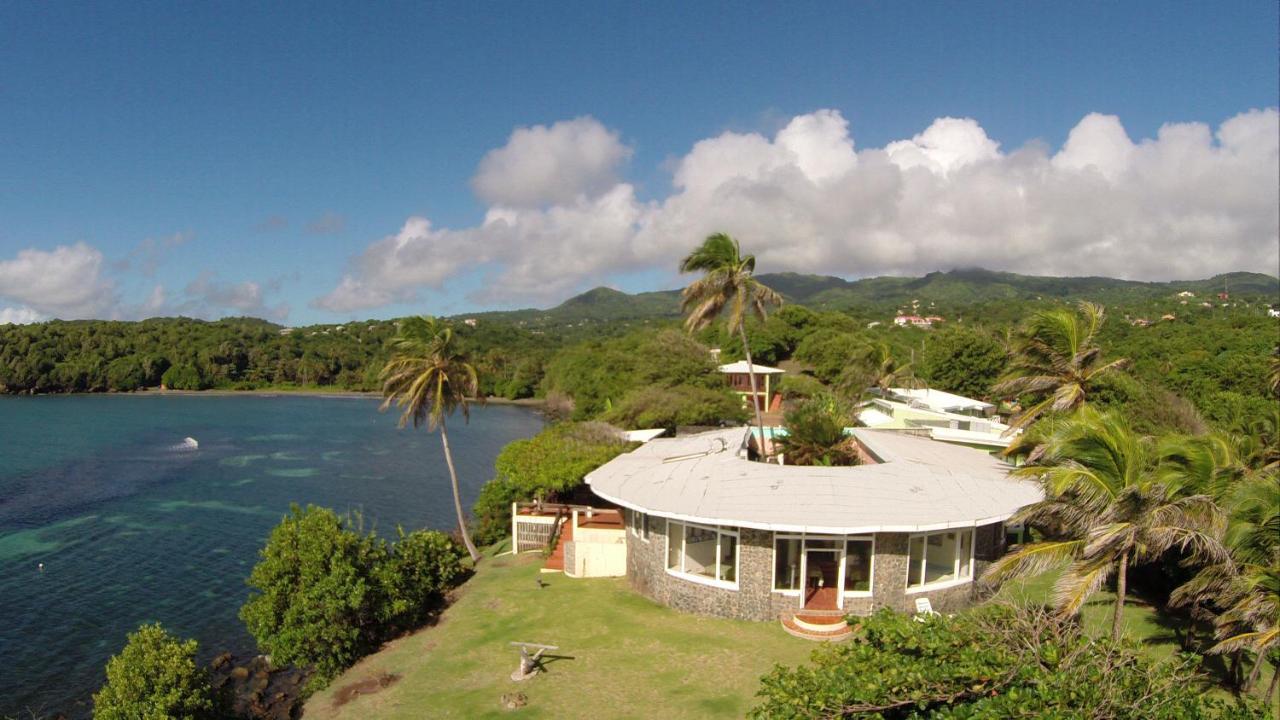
(457, 499)
(751, 377)
(1117, 621)
(1275, 682)
(1255, 673)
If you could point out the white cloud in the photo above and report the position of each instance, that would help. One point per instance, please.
(208, 297)
(1188, 203)
(65, 282)
(542, 165)
(21, 315)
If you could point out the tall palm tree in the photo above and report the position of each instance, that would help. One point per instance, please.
(1107, 505)
(874, 366)
(727, 282)
(428, 378)
(1247, 584)
(1056, 353)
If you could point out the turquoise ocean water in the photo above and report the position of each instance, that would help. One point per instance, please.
(133, 526)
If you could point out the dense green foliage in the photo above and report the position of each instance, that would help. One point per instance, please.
(816, 434)
(992, 663)
(155, 677)
(662, 407)
(966, 361)
(599, 375)
(548, 466)
(325, 595)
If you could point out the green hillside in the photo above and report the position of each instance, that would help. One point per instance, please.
(952, 288)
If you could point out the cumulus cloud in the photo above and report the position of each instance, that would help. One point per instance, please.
(542, 165)
(19, 316)
(1189, 202)
(208, 297)
(65, 282)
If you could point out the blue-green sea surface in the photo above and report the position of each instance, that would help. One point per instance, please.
(132, 525)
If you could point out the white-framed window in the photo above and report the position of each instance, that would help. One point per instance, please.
(940, 559)
(704, 553)
(786, 563)
(639, 525)
(859, 564)
(858, 555)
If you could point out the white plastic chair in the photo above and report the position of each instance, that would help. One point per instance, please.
(924, 609)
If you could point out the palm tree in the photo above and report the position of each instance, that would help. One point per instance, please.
(428, 378)
(1247, 583)
(1056, 353)
(1108, 505)
(726, 282)
(874, 366)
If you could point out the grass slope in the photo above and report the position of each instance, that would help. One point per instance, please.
(631, 658)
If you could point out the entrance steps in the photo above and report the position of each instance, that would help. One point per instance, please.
(818, 625)
(555, 563)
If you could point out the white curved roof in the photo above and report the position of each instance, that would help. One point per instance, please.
(741, 366)
(919, 485)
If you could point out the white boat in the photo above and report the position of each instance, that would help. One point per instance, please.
(191, 443)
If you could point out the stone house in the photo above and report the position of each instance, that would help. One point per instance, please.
(711, 532)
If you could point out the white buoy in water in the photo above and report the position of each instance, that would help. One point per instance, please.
(191, 443)
(41, 566)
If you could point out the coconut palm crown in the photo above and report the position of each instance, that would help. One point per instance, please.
(1108, 504)
(727, 285)
(1056, 353)
(428, 378)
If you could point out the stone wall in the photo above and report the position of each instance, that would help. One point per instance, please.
(754, 598)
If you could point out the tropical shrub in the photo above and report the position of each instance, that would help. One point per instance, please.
(554, 461)
(964, 361)
(420, 567)
(992, 663)
(492, 511)
(317, 593)
(795, 385)
(183, 377)
(155, 677)
(816, 434)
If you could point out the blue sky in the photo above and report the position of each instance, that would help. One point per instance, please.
(246, 158)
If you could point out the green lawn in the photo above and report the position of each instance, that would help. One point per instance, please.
(627, 656)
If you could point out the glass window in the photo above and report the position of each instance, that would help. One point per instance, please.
(636, 518)
(699, 551)
(728, 558)
(857, 566)
(940, 557)
(786, 564)
(915, 560)
(675, 535)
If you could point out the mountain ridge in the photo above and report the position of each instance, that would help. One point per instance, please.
(957, 286)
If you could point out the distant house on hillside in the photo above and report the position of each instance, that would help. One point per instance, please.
(470, 322)
(1273, 312)
(1186, 294)
(739, 379)
(916, 320)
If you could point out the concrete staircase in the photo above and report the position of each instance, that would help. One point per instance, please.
(818, 625)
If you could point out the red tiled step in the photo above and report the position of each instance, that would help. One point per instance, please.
(819, 623)
(823, 636)
(555, 563)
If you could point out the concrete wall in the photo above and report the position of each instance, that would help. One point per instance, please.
(754, 598)
(585, 560)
